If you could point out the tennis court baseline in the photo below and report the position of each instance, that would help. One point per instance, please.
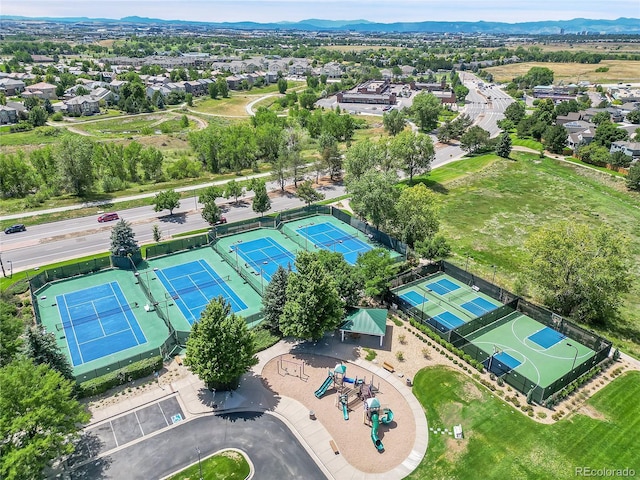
(327, 236)
(194, 284)
(97, 322)
(264, 255)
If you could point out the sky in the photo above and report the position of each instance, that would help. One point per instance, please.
(384, 11)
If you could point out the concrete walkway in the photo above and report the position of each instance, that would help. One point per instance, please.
(196, 400)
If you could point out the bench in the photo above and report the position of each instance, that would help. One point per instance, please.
(388, 367)
(178, 360)
(334, 447)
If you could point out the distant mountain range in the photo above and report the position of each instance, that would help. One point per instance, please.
(577, 25)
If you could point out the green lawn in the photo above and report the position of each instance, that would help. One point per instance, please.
(137, 125)
(489, 214)
(228, 465)
(526, 142)
(501, 443)
(37, 136)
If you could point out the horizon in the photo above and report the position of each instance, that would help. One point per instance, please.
(377, 11)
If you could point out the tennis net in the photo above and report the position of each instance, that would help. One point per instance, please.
(81, 320)
(201, 286)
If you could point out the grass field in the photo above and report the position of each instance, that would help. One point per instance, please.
(619, 71)
(137, 125)
(359, 48)
(500, 443)
(37, 136)
(228, 465)
(489, 212)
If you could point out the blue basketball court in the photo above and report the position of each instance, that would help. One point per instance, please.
(329, 237)
(97, 322)
(443, 286)
(264, 255)
(194, 284)
(479, 306)
(547, 337)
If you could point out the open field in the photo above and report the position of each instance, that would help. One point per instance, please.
(359, 48)
(154, 124)
(500, 443)
(619, 71)
(490, 214)
(596, 47)
(37, 137)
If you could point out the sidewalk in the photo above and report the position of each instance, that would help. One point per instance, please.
(252, 396)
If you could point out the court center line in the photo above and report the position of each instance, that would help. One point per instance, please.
(104, 334)
(125, 315)
(223, 284)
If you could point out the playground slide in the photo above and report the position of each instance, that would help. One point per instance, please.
(323, 388)
(388, 417)
(345, 411)
(375, 423)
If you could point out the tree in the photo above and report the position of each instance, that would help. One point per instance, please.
(633, 116)
(223, 88)
(39, 418)
(313, 304)
(503, 148)
(220, 348)
(515, 112)
(377, 268)
(360, 157)
(555, 138)
(151, 160)
(274, 299)
(282, 85)
(291, 144)
(213, 90)
(414, 152)
(461, 92)
(184, 121)
(261, 202)
(374, 195)
(11, 327)
(307, 193)
(156, 232)
(579, 270)
(633, 178)
(41, 347)
(434, 247)
(620, 159)
(600, 117)
(474, 139)
(394, 121)
(123, 239)
(233, 189)
(74, 157)
(332, 159)
(344, 276)
(426, 108)
(607, 133)
(38, 116)
(210, 210)
(166, 200)
(416, 217)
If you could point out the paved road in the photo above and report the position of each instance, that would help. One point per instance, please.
(273, 449)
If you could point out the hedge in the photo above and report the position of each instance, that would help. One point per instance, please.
(133, 371)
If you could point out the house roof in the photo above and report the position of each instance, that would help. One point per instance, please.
(41, 86)
(368, 321)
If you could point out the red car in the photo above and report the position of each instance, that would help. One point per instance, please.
(221, 220)
(107, 217)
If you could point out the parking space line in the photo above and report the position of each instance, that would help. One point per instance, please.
(139, 424)
(113, 430)
(162, 411)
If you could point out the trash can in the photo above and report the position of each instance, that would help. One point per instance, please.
(408, 382)
(312, 415)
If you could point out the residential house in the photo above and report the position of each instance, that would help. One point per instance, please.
(41, 90)
(116, 85)
(11, 86)
(631, 149)
(578, 126)
(569, 117)
(82, 105)
(8, 115)
(582, 137)
(102, 93)
(299, 68)
(332, 70)
(234, 81)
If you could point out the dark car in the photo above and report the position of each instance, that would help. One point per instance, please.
(222, 219)
(107, 217)
(15, 228)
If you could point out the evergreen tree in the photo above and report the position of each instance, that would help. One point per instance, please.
(503, 149)
(274, 299)
(123, 240)
(223, 88)
(11, 327)
(41, 347)
(261, 202)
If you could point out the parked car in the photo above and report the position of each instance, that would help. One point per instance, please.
(108, 217)
(15, 228)
(222, 219)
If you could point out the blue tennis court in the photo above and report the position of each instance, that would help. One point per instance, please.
(501, 363)
(449, 320)
(97, 322)
(414, 298)
(194, 284)
(443, 286)
(547, 337)
(479, 306)
(329, 237)
(264, 255)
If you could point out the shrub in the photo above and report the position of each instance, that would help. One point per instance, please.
(425, 353)
(371, 354)
(400, 356)
(397, 322)
(57, 117)
(402, 338)
(135, 370)
(500, 381)
(542, 415)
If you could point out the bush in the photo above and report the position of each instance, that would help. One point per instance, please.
(402, 338)
(57, 117)
(371, 354)
(135, 370)
(400, 356)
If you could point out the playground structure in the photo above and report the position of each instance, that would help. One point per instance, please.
(334, 378)
(371, 415)
(290, 367)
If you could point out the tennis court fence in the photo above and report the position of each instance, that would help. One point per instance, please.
(234, 262)
(179, 245)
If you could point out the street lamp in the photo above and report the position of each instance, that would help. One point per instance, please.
(10, 268)
(493, 280)
(199, 463)
(575, 357)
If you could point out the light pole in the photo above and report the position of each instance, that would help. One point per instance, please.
(199, 463)
(493, 279)
(10, 268)
(466, 264)
(575, 357)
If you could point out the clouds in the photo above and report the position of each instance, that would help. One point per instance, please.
(385, 11)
